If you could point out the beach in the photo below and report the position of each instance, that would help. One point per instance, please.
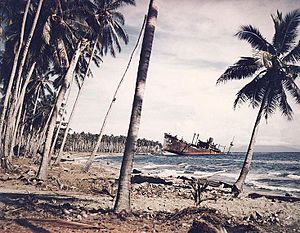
(74, 201)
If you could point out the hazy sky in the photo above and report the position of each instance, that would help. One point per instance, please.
(194, 44)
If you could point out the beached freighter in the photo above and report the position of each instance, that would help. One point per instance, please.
(196, 147)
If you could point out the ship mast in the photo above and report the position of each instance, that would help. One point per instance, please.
(197, 139)
(193, 138)
(230, 146)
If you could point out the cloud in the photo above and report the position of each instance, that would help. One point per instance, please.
(193, 45)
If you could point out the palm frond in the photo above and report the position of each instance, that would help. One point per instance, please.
(272, 99)
(119, 17)
(292, 88)
(294, 55)
(286, 31)
(284, 106)
(292, 71)
(46, 35)
(244, 68)
(254, 37)
(118, 3)
(253, 92)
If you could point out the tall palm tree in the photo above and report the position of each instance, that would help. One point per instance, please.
(273, 71)
(43, 169)
(6, 13)
(97, 145)
(107, 24)
(123, 195)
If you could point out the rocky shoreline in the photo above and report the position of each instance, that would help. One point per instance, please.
(165, 204)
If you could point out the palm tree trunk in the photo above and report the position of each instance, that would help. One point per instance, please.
(30, 133)
(26, 48)
(20, 137)
(124, 189)
(60, 123)
(19, 109)
(57, 161)
(96, 148)
(237, 187)
(43, 169)
(13, 72)
(16, 93)
(54, 141)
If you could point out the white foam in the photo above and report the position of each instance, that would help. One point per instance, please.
(154, 166)
(208, 174)
(169, 172)
(293, 176)
(271, 187)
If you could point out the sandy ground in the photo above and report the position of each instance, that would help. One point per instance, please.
(73, 201)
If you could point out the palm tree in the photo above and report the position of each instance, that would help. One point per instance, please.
(42, 173)
(273, 71)
(97, 145)
(6, 13)
(123, 195)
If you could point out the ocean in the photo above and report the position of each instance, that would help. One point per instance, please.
(277, 173)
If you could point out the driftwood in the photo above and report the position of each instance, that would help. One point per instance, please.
(210, 183)
(273, 197)
(138, 179)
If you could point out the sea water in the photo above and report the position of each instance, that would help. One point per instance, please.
(278, 173)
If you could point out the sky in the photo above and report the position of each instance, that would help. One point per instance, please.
(194, 44)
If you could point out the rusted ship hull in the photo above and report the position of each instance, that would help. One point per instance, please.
(180, 147)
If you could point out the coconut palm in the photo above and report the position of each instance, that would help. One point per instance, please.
(273, 71)
(123, 195)
(108, 32)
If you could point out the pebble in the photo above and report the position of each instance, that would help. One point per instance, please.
(186, 224)
(66, 211)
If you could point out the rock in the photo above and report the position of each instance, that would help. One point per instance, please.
(138, 179)
(288, 195)
(4, 177)
(205, 227)
(2, 215)
(252, 217)
(259, 215)
(67, 212)
(30, 172)
(135, 171)
(185, 224)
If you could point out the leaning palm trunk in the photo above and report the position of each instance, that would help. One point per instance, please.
(26, 48)
(237, 188)
(124, 189)
(88, 164)
(20, 137)
(43, 169)
(60, 123)
(16, 93)
(19, 109)
(12, 75)
(18, 87)
(30, 134)
(93, 154)
(57, 161)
